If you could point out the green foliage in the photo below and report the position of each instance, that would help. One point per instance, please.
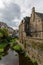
(1, 50)
(2, 45)
(5, 32)
(1, 35)
(35, 63)
(4, 40)
(17, 48)
(13, 42)
(4, 35)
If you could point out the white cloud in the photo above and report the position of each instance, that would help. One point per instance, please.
(25, 6)
(16, 21)
(15, 28)
(1, 4)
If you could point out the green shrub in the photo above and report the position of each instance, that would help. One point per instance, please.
(17, 48)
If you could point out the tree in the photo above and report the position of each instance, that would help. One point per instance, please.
(4, 35)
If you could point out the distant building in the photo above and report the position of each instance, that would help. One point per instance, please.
(31, 26)
(4, 25)
(11, 31)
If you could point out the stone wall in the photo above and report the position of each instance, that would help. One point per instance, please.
(22, 33)
(34, 50)
(36, 25)
(24, 60)
(35, 28)
(31, 26)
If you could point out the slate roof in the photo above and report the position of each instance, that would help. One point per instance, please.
(27, 19)
(40, 15)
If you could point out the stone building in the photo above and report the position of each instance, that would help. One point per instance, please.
(36, 24)
(31, 26)
(24, 29)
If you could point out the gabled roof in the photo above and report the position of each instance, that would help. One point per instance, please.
(40, 15)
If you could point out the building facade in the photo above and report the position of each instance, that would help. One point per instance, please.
(36, 24)
(31, 26)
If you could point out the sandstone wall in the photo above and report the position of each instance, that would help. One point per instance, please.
(34, 50)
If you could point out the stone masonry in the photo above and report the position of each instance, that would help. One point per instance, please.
(31, 35)
(31, 26)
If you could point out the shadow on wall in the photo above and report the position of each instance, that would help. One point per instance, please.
(25, 60)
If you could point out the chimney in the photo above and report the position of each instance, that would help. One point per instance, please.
(33, 13)
(33, 9)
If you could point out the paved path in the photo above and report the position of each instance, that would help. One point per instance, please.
(10, 59)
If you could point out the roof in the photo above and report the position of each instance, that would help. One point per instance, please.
(40, 15)
(27, 19)
(2, 24)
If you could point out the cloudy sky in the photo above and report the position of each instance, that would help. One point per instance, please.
(12, 11)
